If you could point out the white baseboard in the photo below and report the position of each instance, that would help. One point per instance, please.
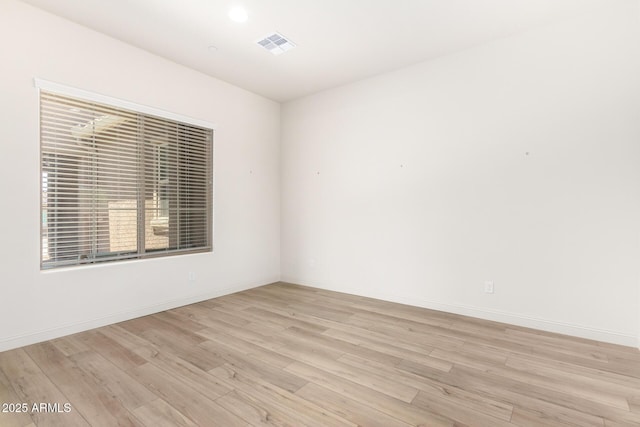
(64, 330)
(489, 314)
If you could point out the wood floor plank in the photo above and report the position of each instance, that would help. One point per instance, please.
(265, 325)
(194, 377)
(448, 408)
(356, 332)
(286, 321)
(563, 405)
(198, 408)
(577, 345)
(185, 349)
(531, 348)
(347, 408)
(429, 339)
(159, 413)
(304, 350)
(321, 311)
(308, 413)
(134, 343)
(532, 377)
(209, 317)
(31, 386)
(96, 404)
(527, 418)
(462, 357)
(610, 423)
(325, 341)
(178, 321)
(117, 382)
(11, 418)
(360, 374)
(17, 363)
(255, 367)
(268, 356)
(111, 349)
(578, 380)
(249, 300)
(70, 345)
(396, 348)
(448, 396)
(242, 333)
(393, 407)
(411, 325)
(634, 401)
(512, 393)
(255, 411)
(142, 325)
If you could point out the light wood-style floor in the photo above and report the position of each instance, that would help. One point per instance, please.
(290, 355)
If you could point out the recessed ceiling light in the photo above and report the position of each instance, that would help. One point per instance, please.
(212, 48)
(238, 14)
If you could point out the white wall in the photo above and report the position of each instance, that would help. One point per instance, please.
(415, 186)
(424, 190)
(37, 305)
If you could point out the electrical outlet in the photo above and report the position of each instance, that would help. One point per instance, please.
(192, 276)
(488, 287)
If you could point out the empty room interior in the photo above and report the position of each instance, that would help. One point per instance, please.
(320, 213)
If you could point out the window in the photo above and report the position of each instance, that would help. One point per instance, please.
(120, 184)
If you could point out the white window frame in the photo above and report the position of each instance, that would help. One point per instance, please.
(85, 95)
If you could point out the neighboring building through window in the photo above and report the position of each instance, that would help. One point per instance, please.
(121, 184)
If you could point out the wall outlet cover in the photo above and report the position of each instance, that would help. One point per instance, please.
(488, 287)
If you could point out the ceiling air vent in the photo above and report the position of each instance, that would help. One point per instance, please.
(276, 43)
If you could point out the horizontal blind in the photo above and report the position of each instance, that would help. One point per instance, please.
(118, 184)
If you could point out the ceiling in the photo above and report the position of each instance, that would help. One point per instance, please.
(338, 41)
